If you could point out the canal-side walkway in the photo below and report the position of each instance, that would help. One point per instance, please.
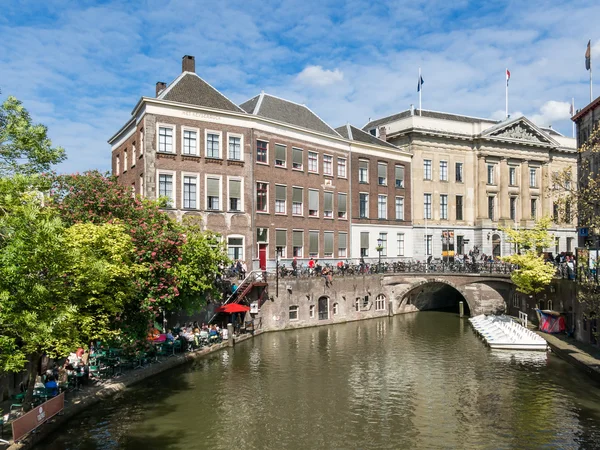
(580, 354)
(78, 401)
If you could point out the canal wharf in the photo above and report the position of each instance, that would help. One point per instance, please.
(503, 333)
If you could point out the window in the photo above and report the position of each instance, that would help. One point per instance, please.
(443, 170)
(427, 206)
(341, 168)
(380, 303)
(363, 171)
(357, 304)
(428, 245)
(342, 205)
(133, 190)
(328, 244)
(190, 192)
(190, 142)
(364, 243)
(512, 176)
(235, 248)
(142, 184)
(443, 206)
(555, 212)
(141, 142)
(399, 208)
(297, 243)
(534, 208)
(313, 243)
(297, 201)
(491, 202)
(363, 205)
(427, 169)
(165, 139)
(313, 162)
(328, 165)
(165, 188)
(297, 161)
(293, 313)
(261, 152)
(556, 245)
(342, 245)
(280, 199)
(400, 244)
(313, 203)
(382, 206)
(281, 242)
(125, 160)
(280, 154)
(213, 193)
(459, 207)
(133, 155)
(235, 195)
(311, 311)
(262, 195)
(513, 208)
(532, 177)
(383, 239)
(117, 165)
(382, 174)
(399, 174)
(235, 148)
(262, 235)
(568, 211)
(335, 309)
(328, 205)
(490, 173)
(458, 168)
(213, 145)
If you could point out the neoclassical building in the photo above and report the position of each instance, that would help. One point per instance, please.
(471, 176)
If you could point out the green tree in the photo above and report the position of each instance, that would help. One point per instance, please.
(535, 239)
(24, 147)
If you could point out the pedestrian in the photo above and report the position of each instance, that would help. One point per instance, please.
(295, 266)
(238, 268)
(244, 270)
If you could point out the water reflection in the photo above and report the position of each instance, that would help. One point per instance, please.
(415, 381)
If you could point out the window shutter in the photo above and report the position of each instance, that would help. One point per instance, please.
(235, 188)
(297, 195)
(313, 200)
(313, 244)
(297, 156)
(382, 170)
(328, 201)
(343, 240)
(280, 152)
(364, 240)
(328, 242)
(212, 187)
(399, 172)
(297, 238)
(280, 193)
(363, 164)
(342, 202)
(280, 238)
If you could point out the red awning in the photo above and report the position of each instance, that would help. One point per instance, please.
(232, 308)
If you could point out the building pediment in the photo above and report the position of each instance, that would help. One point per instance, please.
(519, 130)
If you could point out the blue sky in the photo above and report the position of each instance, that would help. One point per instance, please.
(80, 67)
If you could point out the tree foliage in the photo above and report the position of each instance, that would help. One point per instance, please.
(534, 239)
(24, 147)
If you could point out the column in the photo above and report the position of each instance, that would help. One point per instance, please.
(524, 197)
(503, 198)
(481, 212)
(545, 199)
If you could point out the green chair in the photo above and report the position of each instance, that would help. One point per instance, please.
(177, 346)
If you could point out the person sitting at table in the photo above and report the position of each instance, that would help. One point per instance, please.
(52, 386)
(213, 334)
(170, 337)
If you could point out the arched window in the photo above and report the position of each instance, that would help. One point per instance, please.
(380, 302)
(294, 312)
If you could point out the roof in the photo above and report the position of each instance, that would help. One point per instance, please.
(191, 89)
(426, 113)
(356, 134)
(590, 106)
(275, 108)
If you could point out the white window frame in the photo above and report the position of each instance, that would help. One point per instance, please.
(220, 177)
(385, 179)
(427, 213)
(266, 163)
(197, 177)
(341, 165)
(400, 244)
(427, 169)
(360, 170)
(344, 253)
(301, 253)
(133, 155)
(195, 130)
(512, 169)
(283, 253)
(345, 216)
(243, 247)
(241, 179)
(443, 170)
(428, 244)
(117, 165)
(399, 216)
(316, 163)
(220, 134)
(173, 174)
(328, 214)
(311, 311)
(533, 177)
(318, 203)
(385, 204)
(142, 141)
(491, 174)
(383, 237)
(335, 309)
(462, 172)
(330, 173)
(301, 168)
(266, 211)
(301, 214)
(366, 216)
(173, 143)
(444, 208)
(125, 160)
(380, 302)
(295, 309)
(284, 165)
(241, 137)
(142, 185)
(284, 212)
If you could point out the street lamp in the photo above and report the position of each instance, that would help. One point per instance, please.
(379, 249)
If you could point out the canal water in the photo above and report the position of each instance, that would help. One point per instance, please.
(422, 380)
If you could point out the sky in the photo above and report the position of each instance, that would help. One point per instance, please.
(80, 67)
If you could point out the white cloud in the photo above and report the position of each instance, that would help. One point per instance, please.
(317, 76)
(552, 112)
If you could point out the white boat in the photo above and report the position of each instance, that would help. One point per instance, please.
(503, 333)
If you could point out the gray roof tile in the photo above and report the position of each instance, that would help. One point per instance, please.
(425, 113)
(362, 136)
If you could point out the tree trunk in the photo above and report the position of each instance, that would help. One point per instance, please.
(33, 369)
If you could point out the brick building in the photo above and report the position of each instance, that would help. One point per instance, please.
(269, 174)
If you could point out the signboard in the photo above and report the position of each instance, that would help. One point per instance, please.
(448, 244)
(583, 232)
(37, 416)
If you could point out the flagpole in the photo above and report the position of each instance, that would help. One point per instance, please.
(421, 88)
(591, 95)
(573, 113)
(506, 79)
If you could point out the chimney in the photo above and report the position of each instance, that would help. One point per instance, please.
(412, 109)
(188, 64)
(382, 134)
(160, 86)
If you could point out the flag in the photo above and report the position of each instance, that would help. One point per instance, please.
(420, 83)
(507, 76)
(588, 56)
